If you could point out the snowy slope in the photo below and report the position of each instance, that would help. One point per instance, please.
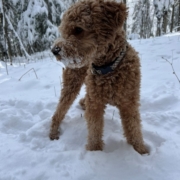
(26, 107)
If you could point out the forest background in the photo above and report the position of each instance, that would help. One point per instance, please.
(30, 26)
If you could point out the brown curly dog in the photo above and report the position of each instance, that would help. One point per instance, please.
(94, 50)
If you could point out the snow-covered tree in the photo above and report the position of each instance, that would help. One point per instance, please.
(38, 26)
(162, 9)
(29, 25)
(179, 16)
(142, 19)
(176, 17)
(5, 37)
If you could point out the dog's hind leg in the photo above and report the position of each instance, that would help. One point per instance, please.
(72, 82)
(132, 126)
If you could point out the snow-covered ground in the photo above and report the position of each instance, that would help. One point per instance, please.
(26, 107)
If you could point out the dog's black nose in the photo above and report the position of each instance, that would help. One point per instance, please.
(56, 50)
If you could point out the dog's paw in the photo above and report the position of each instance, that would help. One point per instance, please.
(94, 147)
(141, 149)
(54, 135)
(82, 103)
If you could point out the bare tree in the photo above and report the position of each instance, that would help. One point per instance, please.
(125, 23)
(172, 18)
(142, 23)
(5, 32)
(162, 9)
(165, 21)
(179, 16)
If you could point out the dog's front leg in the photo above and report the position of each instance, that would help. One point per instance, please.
(72, 82)
(94, 116)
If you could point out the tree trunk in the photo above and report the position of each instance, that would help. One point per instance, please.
(164, 23)
(20, 42)
(179, 18)
(9, 50)
(158, 27)
(5, 32)
(142, 32)
(125, 23)
(172, 19)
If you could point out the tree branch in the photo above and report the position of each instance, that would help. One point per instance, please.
(27, 72)
(172, 68)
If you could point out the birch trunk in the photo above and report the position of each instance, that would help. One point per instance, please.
(172, 19)
(179, 17)
(5, 33)
(125, 23)
(164, 23)
(20, 42)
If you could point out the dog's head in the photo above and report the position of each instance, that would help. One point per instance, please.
(86, 29)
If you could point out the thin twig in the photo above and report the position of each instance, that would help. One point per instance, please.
(169, 38)
(19, 62)
(172, 56)
(6, 68)
(57, 64)
(113, 115)
(60, 82)
(51, 57)
(55, 91)
(53, 61)
(27, 72)
(172, 68)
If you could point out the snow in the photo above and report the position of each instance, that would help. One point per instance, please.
(26, 107)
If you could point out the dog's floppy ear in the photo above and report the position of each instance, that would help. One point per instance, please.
(115, 11)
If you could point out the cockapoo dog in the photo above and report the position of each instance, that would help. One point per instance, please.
(94, 50)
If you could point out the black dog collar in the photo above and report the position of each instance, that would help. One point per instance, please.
(101, 70)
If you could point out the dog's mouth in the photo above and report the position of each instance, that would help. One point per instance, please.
(72, 62)
(67, 60)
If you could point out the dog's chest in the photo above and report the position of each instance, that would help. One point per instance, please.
(106, 89)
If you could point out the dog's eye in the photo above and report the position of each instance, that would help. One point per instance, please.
(78, 30)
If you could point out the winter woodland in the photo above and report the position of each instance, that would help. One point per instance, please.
(29, 26)
(30, 86)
